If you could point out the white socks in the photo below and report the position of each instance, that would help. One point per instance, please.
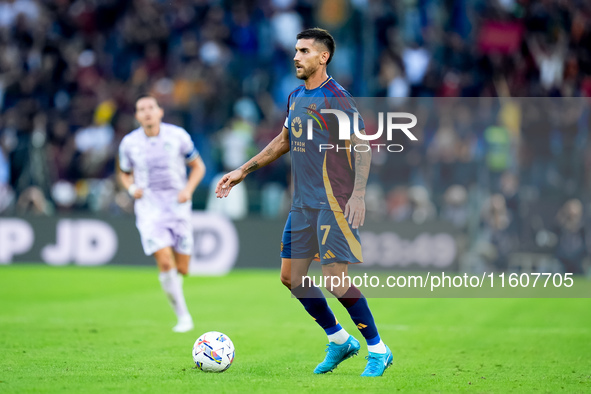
(339, 337)
(172, 284)
(379, 348)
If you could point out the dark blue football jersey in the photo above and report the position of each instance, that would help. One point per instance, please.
(323, 166)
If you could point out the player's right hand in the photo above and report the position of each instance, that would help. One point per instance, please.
(135, 191)
(228, 181)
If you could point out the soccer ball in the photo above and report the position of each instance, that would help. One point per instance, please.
(213, 352)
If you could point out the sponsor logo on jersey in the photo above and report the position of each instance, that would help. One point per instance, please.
(296, 127)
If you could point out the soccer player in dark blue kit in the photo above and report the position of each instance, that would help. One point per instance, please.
(328, 202)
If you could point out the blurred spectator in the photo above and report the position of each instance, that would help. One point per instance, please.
(398, 204)
(32, 200)
(374, 202)
(422, 208)
(455, 206)
(571, 248)
(393, 80)
(6, 193)
(498, 232)
(237, 139)
(498, 153)
(416, 60)
(61, 149)
(443, 153)
(536, 143)
(286, 25)
(550, 59)
(63, 194)
(509, 189)
(94, 148)
(11, 10)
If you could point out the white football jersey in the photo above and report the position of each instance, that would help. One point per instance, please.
(159, 166)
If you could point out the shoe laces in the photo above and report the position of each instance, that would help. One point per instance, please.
(373, 364)
(333, 355)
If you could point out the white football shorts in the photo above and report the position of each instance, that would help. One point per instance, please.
(177, 233)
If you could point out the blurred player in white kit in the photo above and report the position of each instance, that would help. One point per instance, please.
(153, 160)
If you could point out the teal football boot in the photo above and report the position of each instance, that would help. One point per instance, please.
(377, 363)
(336, 354)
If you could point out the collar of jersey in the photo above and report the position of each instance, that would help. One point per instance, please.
(153, 136)
(308, 91)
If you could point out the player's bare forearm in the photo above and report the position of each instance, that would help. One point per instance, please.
(126, 179)
(196, 174)
(362, 166)
(355, 208)
(274, 150)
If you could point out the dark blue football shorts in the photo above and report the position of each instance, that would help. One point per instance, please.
(323, 234)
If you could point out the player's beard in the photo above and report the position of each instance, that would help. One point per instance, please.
(306, 72)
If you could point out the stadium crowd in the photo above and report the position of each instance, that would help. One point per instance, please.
(70, 71)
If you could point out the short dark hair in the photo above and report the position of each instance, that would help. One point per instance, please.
(322, 36)
(145, 95)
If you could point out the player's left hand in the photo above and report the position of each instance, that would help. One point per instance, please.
(184, 196)
(355, 210)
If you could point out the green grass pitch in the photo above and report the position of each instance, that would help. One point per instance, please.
(109, 330)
